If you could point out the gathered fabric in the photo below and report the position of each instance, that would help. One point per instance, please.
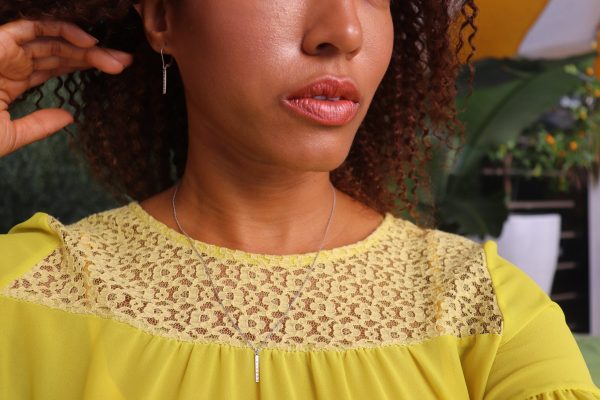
(117, 306)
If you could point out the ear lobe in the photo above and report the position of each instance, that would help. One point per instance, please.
(153, 16)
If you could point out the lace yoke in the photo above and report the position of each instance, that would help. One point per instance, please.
(402, 284)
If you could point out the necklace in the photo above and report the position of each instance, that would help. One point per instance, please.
(256, 349)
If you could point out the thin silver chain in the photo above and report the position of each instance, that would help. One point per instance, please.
(258, 348)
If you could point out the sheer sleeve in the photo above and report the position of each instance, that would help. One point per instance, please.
(538, 357)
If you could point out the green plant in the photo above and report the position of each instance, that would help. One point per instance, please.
(508, 96)
(564, 143)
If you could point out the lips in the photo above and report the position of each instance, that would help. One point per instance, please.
(330, 88)
(328, 101)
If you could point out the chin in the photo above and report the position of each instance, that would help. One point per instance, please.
(315, 163)
(321, 151)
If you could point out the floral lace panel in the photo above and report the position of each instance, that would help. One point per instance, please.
(408, 286)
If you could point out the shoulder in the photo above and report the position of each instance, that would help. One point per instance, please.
(96, 264)
(42, 247)
(26, 245)
(447, 277)
(485, 285)
(471, 282)
(440, 251)
(519, 297)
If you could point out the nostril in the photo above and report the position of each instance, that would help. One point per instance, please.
(326, 48)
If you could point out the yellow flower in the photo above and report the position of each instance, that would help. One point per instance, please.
(583, 114)
(589, 71)
(596, 92)
(550, 139)
(573, 145)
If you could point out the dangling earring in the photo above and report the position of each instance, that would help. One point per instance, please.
(165, 66)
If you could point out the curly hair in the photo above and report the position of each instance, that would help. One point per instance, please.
(120, 118)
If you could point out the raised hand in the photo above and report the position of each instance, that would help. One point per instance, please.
(32, 52)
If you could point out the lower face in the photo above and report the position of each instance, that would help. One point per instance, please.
(239, 59)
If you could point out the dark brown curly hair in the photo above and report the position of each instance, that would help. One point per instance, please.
(121, 118)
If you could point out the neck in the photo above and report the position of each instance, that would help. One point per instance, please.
(254, 209)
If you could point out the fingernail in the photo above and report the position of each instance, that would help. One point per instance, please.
(96, 41)
(123, 57)
(114, 60)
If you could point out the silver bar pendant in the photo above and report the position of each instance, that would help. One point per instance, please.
(256, 366)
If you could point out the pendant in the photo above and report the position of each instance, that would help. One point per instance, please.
(256, 366)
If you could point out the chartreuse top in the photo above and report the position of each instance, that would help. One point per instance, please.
(118, 306)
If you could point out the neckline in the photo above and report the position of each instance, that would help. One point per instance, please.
(220, 252)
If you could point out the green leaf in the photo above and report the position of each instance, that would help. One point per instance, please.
(498, 114)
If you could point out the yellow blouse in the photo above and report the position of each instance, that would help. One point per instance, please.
(118, 306)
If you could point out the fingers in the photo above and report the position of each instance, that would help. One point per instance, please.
(44, 49)
(109, 60)
(39, 77)
(51, 63)
(36, 126)
(50, 53)
(40, 124)
(22, 31)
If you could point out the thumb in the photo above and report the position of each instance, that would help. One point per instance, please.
(39, 125)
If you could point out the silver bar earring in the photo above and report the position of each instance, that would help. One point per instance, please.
(165, 66)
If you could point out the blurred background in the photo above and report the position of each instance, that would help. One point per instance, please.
(525, 177)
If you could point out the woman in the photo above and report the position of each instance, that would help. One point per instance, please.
(238, 270)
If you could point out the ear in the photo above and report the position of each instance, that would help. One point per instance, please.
(154, 18)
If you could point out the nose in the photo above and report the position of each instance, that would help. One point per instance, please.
(333, 27)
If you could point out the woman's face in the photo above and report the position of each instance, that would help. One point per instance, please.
(240, 59)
